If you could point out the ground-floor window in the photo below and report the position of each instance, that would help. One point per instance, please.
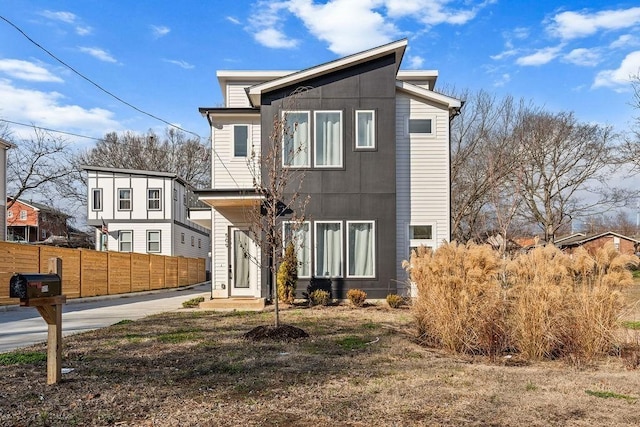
(125, 240)
(300, 235)
(361, 248)
(153, 241)
(421, 235)
(328, 239)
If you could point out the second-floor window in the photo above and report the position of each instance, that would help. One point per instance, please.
(365, 129)
(124, 199)
(326, 145)
(240, 140)
(328, 138)
(97, 199)
(10, 214)
(23, 215)
(153, 199)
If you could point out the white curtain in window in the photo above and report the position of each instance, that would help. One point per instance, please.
(328, 146)
(365, 129)
(296, 135)
(329, 250)
(241, 246)
(301, 239)
(361, 249)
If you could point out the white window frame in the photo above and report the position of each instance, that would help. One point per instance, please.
(248, 142)
(150, 241)
(432, 118)
(416, 243)
(373, 250)
(154, 199)
(121, 199)
(193, 241)
(96, 196)
(182, 238)
(358, 145)
(9, 214)
(315, 258)
(121, 233)
(307, 248)
(285, 132)
(23, 215)
(315, 140)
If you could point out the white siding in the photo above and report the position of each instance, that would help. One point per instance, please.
(236, 97)
(422, 175)
(229, 172)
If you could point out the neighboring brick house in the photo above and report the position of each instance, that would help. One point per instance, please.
(373, 142)
(592, 242)
(34, 222)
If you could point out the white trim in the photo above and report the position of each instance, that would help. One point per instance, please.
(375, 131)
(373, 249)
(420, 116)
(159, 199)
(120, 241)
(428, 95)
(93, 200)
(315, 249)
(233, 141)
(315, 139)
(159, 241)
(130, 199)
(414, 243)
(308, 150)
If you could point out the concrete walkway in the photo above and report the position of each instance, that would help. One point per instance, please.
(23, 326)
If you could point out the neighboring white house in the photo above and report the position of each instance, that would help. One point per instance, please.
(373, 143)
(4, 147)
(145, 212)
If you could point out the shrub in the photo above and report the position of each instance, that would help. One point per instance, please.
(288, 275)
(394, 300)
(357, 297)
(543, 304)
(319, 297)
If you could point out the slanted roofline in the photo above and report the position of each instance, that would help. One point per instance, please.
(397, 47)
(451, 103)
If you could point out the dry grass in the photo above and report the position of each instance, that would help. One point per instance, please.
(543, 304)
(360, 367)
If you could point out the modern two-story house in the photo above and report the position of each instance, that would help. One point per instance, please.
(145, 212)
(371, 143)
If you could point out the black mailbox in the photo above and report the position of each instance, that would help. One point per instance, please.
(34, 285)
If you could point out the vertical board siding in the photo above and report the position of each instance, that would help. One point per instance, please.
(87, 273)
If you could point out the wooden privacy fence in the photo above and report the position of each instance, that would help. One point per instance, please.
(88, 273)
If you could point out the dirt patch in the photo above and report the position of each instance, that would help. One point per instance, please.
(358, 367)
(279, 333)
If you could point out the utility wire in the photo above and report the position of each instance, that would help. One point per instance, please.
(94, 83)
(51, 130)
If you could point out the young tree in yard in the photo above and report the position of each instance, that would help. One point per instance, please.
(279, 187)
(560, 159)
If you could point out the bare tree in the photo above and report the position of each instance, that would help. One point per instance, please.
(175, 153)
(482, 159)
(564, 169)
(38, 166)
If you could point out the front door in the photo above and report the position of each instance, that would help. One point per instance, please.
(243, 271)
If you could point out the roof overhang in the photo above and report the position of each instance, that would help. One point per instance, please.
(398, 47)
(429, 95)
(224, 114)
(201, 216)
(246, 197)
(419, 77)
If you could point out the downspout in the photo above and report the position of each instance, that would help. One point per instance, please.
(453, 113)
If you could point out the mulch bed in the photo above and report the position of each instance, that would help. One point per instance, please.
(281, 333)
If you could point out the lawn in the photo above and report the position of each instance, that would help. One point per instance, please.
(359, 367)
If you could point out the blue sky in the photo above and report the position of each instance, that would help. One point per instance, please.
(162, 56)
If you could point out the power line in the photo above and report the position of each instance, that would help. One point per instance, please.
(94, 83)
(51, 130)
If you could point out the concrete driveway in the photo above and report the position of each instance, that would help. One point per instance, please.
(23, 326)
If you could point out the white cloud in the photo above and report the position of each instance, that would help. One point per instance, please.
(433, 12)
(233, 20)
(415, 62)
(348, 26)
(505, 54)
(571, 25)
(46, 109)
(504, 79)
(584, 57)
(159, 30)
(620, 78)
(624, 40)
(68, 18)
(98, 53)
(180, 63)
(540, 57)
(270, 37)
(25, 70)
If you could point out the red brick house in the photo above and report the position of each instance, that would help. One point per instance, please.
(592, 242)
(34, 222)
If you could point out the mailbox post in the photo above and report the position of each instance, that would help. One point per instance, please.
(43, 291)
